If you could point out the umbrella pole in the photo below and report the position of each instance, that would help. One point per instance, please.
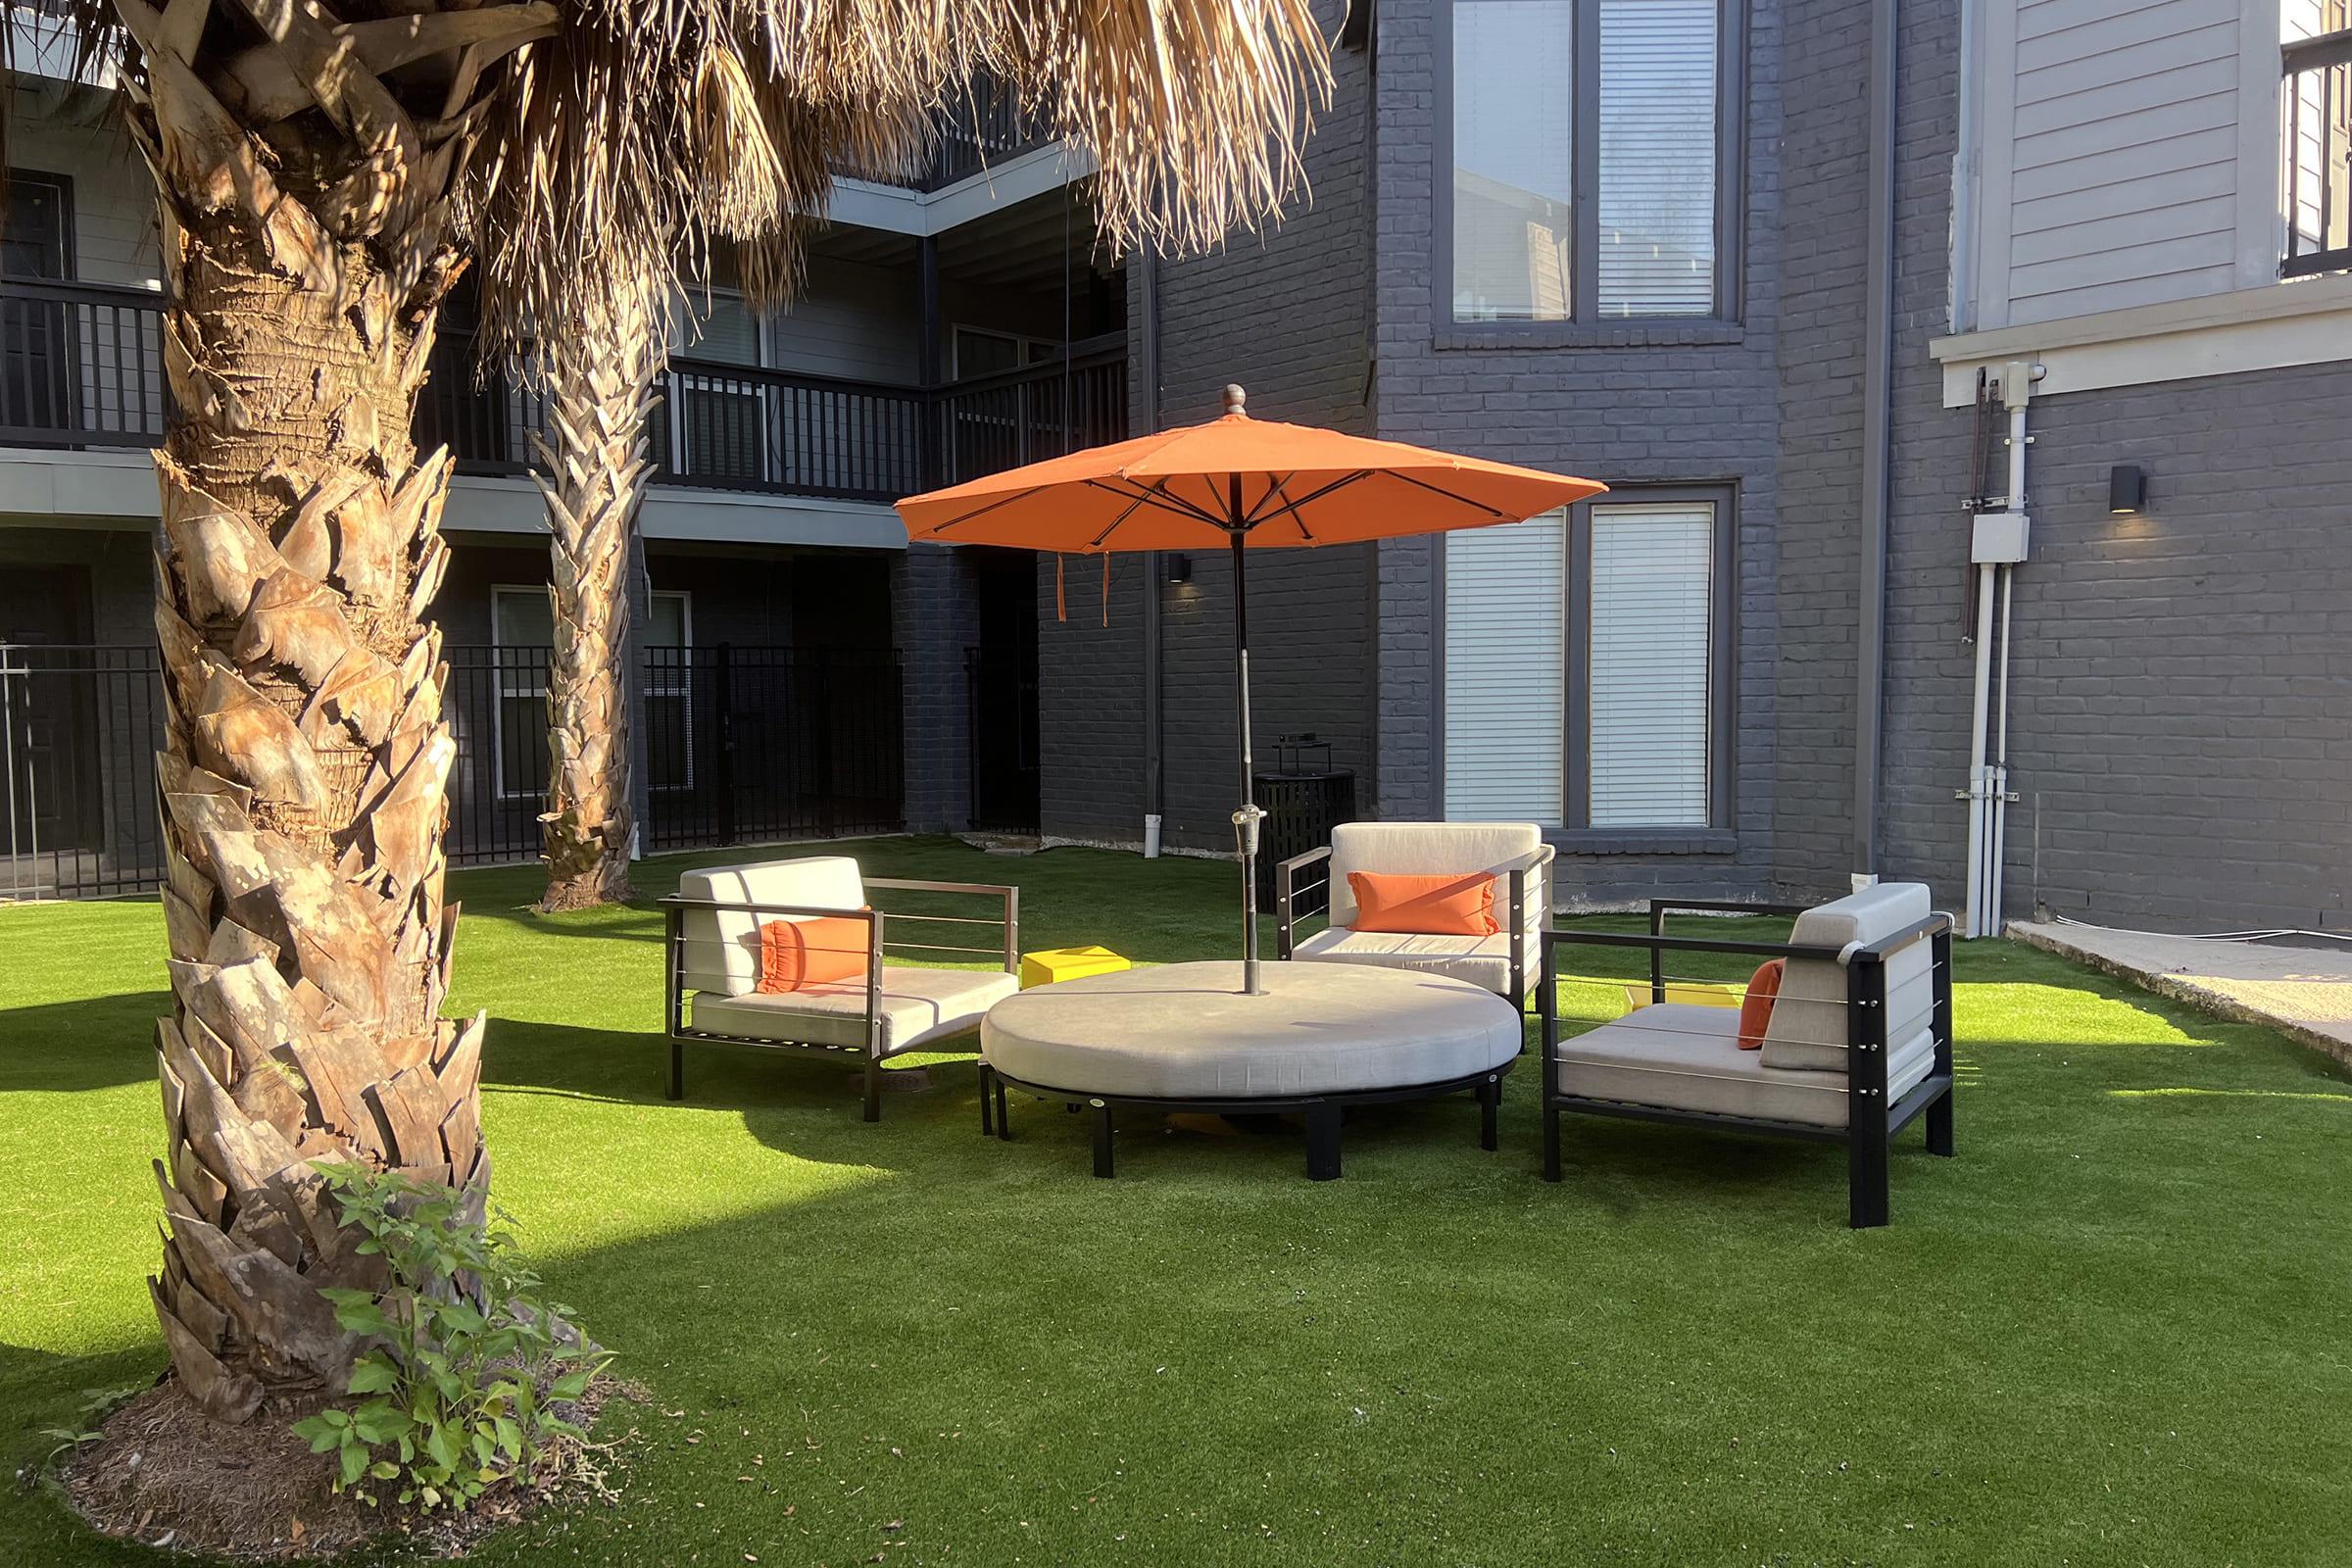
(1246, 819)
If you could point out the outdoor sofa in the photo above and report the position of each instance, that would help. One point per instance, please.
(712, 945)
(1859, 1043)
(1513, 853)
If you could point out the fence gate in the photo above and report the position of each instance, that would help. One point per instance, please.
(80, 727)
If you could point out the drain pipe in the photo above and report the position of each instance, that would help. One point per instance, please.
(1996, 546)
(1155, 771)
(1878, 422)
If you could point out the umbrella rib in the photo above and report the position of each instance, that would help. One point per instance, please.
(982, 512)
(1280, 487)
(1133, 507)
(1292, 507)
(1161, 496)
(1440, 490)
(1273, 489)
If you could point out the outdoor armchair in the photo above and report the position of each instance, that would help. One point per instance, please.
(713, 947)
(1859, 1044)
(1515, 853)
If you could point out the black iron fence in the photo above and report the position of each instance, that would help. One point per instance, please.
(80, 727)
(2316, 137)
(742, 746)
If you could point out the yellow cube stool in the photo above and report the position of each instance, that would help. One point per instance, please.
(1068, 964)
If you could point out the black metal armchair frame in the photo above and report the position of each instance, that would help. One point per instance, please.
(879, 942)
(1294, 903)
(1871, 1121)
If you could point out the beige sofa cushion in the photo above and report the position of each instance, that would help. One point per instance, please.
(1184, 1031)
(918, 1007)
(1809, 1019)
(1484, 961)
(1677, 1057)
(722, 948)
(1433, 849)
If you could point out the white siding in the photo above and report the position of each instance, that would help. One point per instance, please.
(852, 320)
(1505, 672)
(2125, 155)
(113, 200)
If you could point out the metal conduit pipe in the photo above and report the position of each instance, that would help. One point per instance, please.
(1997, 546)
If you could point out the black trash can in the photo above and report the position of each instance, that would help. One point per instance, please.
(1303, 797)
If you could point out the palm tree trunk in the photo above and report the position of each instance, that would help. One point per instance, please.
(306, 246)
(593, 470)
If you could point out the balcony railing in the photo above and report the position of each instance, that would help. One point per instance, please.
(2316, 132)
(978, 133)
(81, 365)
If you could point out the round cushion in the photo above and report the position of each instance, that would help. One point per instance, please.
(1184, 1031)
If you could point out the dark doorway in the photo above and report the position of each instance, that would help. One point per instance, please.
(1001, 674)
(50, 744)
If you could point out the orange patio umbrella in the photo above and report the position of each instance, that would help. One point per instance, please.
(1242, 483)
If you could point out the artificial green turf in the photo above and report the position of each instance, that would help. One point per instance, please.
(2112, 1331)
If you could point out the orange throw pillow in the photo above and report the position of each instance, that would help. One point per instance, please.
(1424, 906)
(1755, 1008)
(795, 953)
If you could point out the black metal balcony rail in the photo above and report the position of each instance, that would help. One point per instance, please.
(81, 365)
(2315, 126)
(978, 133)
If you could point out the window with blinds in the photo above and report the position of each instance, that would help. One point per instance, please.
(1657, 184)
(1507, 617)
(1589, 139)
(1649, 665)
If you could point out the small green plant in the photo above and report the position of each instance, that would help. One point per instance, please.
(96, 1405)
(456, 1392)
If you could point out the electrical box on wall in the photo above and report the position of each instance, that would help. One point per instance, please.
(2000, 538)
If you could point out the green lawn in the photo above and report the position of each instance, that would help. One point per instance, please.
(2113, 1331)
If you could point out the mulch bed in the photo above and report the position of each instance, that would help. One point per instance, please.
(167, 1475)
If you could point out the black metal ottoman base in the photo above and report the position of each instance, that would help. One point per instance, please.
(1321, 1112)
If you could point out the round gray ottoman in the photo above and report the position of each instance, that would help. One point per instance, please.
(1184, 1038)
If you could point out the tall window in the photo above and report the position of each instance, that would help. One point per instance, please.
(1588, 666)
(1649, 664)
(1588, 144)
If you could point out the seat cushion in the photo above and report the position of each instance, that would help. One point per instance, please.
(918, 1007)
(1682, 1057)
(1186, 1031)
(722, 948)
(1484, 961)
(1808, 1018)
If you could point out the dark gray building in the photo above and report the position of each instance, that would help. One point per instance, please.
(1745, 263)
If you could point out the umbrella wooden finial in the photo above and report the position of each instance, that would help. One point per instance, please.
(1235, 397)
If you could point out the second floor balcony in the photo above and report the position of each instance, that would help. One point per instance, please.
(81, 367)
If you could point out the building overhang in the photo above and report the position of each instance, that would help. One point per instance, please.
(2307, 322)
(43, 488)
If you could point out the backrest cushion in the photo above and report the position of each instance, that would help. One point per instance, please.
(722, 946)
(1432, 848)
(1442, 905)
(1809, 1016)
(1756, 1007)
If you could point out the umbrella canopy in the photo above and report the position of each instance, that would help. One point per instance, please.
(1241, 483)
(1282, 485)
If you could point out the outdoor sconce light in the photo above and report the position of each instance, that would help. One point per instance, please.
(1180, 568)
(2126, 488)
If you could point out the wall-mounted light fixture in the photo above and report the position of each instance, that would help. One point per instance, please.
(1180, 567)
(2126, 488)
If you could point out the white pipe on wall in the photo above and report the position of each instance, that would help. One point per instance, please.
(1988, 728)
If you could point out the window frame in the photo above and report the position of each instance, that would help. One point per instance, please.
(1584, 324)
(1723, 641)
(500, 694)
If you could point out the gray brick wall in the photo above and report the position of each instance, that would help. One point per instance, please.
(935, 611)
(2179, 731)
(1285, 312)
(1632, 405)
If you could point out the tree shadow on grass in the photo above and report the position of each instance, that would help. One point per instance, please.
(90, 1042)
